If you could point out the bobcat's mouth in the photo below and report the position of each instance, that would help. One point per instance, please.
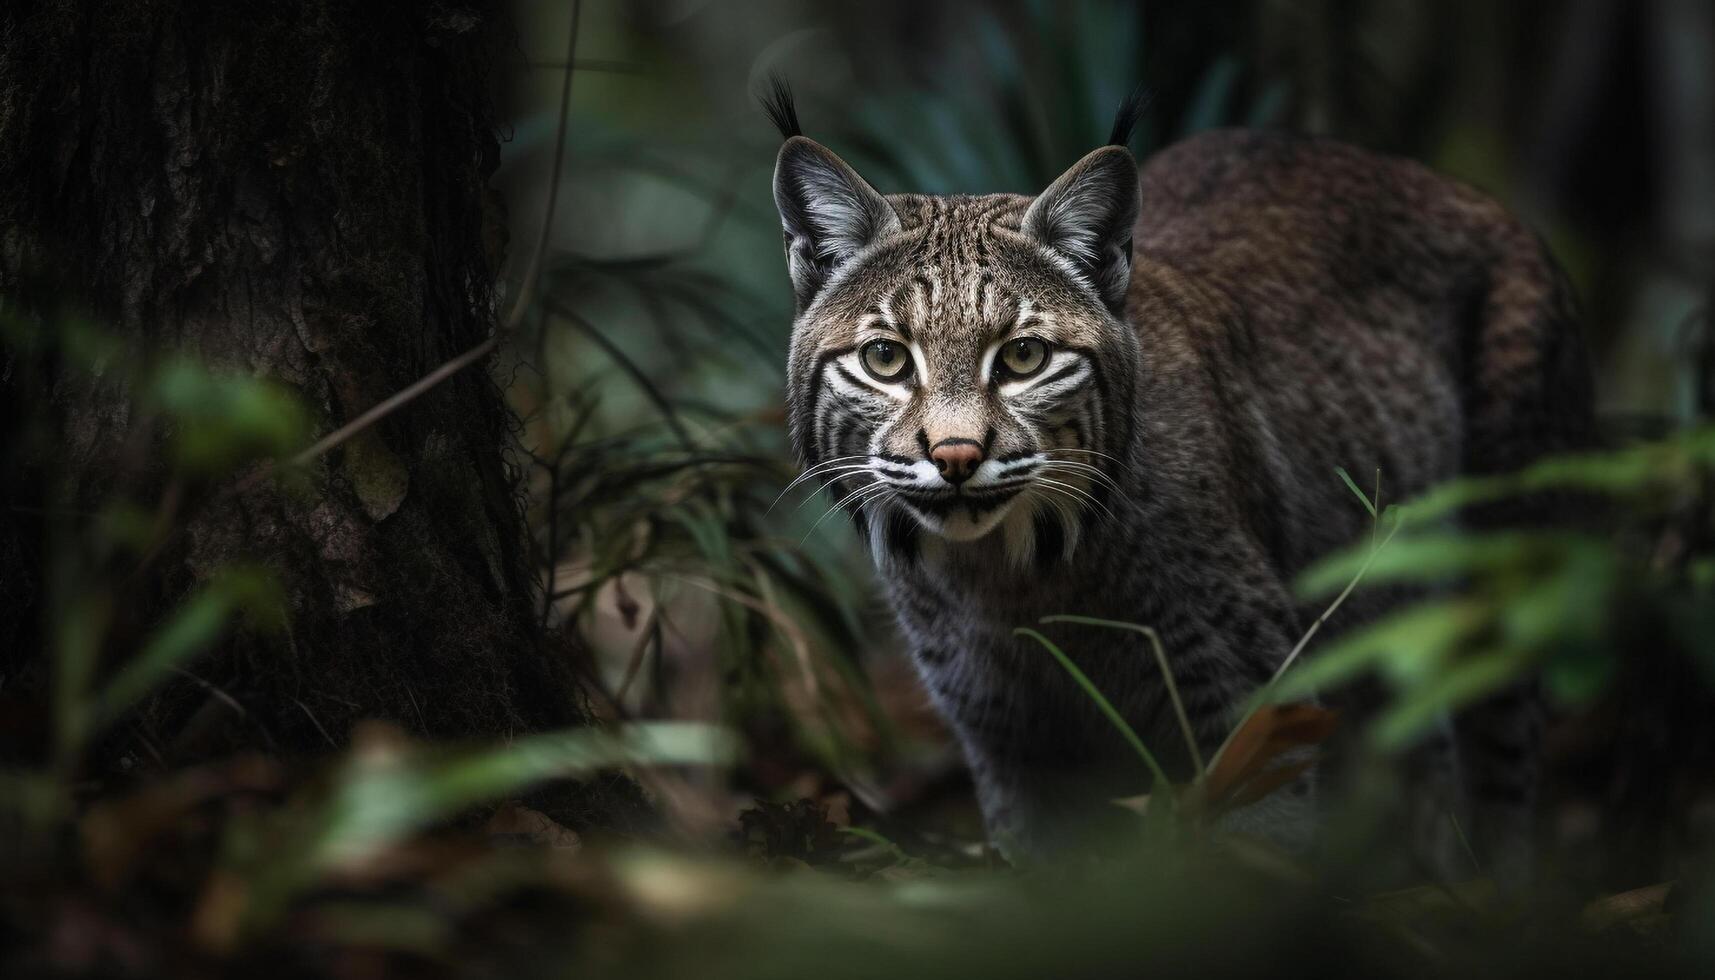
(975, 503)
(976, 506)
(961, 514)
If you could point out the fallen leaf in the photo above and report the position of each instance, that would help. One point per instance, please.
(1246, 773)
(1264, 783)
(518, 822)
(1627, 907)
(118, 833)
(798, 831)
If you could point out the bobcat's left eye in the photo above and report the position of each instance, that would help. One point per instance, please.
(1021, 358)
(885, 360)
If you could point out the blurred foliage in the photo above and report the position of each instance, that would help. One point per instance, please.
(215, 422)
(190, 630)
(1514, 602)
(241, 876)
(223, 419)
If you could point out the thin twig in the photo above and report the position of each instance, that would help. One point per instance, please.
(1376, 511)
(669, 414)
(228, 700)
(387, 406)
(526, 292)
(1304, 641)
(149, 743)
(314, 721)
(417, 708)
(1465, 842)
(638, 652)
(534, 269)
(553, 556)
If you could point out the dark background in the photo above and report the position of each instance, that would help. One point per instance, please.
(1595, 119)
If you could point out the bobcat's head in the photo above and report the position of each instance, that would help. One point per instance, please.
(960, 365)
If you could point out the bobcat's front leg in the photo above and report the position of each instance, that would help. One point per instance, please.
(1039, 791)
(1038, 809)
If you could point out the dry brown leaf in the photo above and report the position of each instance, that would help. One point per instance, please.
(1627, 907)
(1264, 783)
(118, 833)
(1136, 804)
(1245, 772)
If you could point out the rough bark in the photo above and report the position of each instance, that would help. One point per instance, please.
(293, 190)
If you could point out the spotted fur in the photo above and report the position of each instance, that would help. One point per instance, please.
(1226, 327)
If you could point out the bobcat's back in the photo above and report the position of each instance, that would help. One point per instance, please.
(1356, 310)
(1340, 308)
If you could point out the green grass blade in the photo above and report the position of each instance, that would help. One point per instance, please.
(865, 834)
(1353, 486)
(1264, 695)
(193, 628)
(1412, 642)
(1477, 678)
(1161, 661)
(386, 796)
(1102, 703)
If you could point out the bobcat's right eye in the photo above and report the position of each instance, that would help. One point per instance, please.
(886, 360)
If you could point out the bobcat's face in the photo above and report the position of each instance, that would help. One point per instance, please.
(960, 360)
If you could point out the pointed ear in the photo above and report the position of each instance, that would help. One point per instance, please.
(1086, 217)
(827, 211)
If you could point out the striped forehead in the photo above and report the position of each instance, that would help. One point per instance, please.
(941, 298)
(953, 286)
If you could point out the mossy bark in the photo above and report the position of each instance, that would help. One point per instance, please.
(298, 191)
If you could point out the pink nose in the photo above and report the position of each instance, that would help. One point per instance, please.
(957, 459)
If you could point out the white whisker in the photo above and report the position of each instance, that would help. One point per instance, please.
(1080, 491)
(815, 470)
(1070, 519)
(1057, 500)
(1081, 468)
(1108, 481)
(845, 473)
(878, 485)
(1090, 452)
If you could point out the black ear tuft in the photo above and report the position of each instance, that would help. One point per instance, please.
(1086, 218)
(777, 103)
(827, 212)
(1130, 111)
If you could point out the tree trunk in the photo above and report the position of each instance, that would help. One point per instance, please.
(293, 191)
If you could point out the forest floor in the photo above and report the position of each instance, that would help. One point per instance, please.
(377, 865)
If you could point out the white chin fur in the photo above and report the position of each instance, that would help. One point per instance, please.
(959, 526)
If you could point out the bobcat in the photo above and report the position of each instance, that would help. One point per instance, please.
(1126, 397)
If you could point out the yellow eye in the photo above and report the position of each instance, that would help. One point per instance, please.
(1021, 358)
(886, 360)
